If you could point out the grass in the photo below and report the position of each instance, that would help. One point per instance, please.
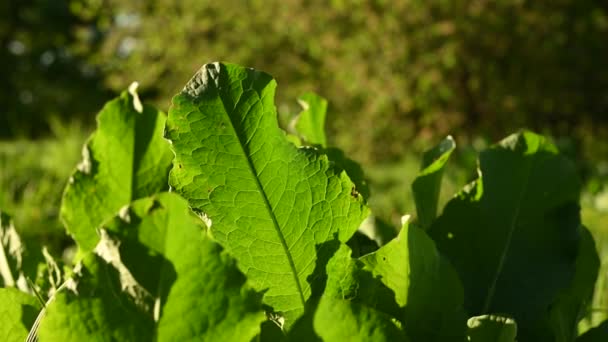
(32, 177)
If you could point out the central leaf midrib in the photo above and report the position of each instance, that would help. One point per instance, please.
(275, 223)
(507, 246)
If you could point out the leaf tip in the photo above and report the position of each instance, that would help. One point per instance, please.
(201, 80)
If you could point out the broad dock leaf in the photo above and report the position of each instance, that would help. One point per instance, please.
(18, 312)
(125, 159)
(424, 283)
(427, 185)
(157, 251)
(203, 295)
(513, 234)
(407, 280)
(270, 204)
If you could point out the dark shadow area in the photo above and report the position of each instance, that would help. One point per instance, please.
(318, 278)
(28, 315)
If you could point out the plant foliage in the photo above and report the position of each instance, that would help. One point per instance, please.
(253, 240)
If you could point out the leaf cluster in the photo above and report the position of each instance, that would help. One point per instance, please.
(212, 223)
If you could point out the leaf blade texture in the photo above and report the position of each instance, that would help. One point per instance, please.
(125, 159)
(271, 204)
(512, 235)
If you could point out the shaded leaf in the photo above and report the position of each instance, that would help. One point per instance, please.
(125, 159)
(343, 320)
(352, 168)
(270, 332)
(573, 302)
(513, 234)
(424, 285)
(427, 185)
(96, 308)
(164, 277)
(18, 312)
(597, 334)
(270, 204)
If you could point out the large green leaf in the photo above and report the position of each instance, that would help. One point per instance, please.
(343, 320)
(427, 185)
(513, 234)
(407, 280)
(202, 293)
(310, 123)
(272, 205)
(491, 328)
(97, 306)
(165, 281)
(18, 312)
(573, 302)
(125, 159)
(424, 285)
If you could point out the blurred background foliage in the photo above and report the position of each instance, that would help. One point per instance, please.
(399, 76)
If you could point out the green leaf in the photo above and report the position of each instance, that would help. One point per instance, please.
(96, 307)
(491, 328)
(18, 312)
(597, 334)
(160, 255)
(572, 303)
(202, 293)
(11, 255)
(310, 127)
(406, 279)
(352, 169)
(125, 159)
(424, 284)
(310, 123)
(272, 205)
(343, 320)
(427, 185)
(513, 234)
(349, 280)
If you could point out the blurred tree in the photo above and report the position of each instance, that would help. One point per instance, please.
(42, 75)
(394, 71)
(398, 73)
